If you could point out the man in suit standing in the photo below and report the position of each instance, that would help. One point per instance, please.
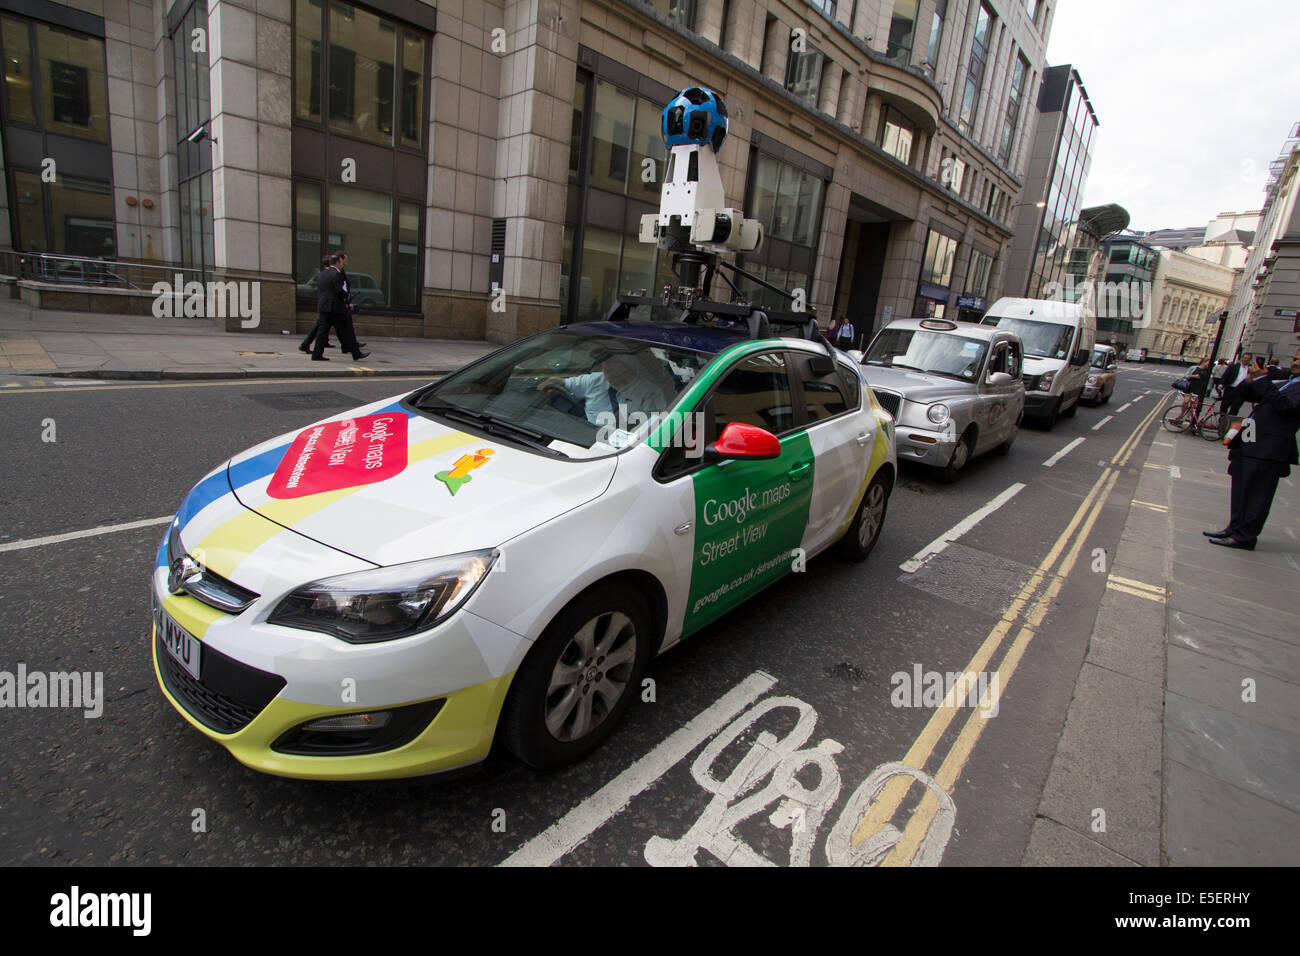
(1259, 453)
(1234, 376)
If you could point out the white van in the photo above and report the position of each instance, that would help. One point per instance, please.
(1058, 339)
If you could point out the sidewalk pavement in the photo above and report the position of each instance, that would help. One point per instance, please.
(1185, 724)
(87, 345)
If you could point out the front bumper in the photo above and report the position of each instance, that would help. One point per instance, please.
(1039, 404)
(927, 446)
(315, 677)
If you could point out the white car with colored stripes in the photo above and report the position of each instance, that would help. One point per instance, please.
(500, 555)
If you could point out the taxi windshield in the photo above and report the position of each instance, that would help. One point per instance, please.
(568, 393)
(1100, 359)
(938, 353)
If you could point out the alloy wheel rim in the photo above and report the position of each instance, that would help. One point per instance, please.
(873, 515)
(590, 676)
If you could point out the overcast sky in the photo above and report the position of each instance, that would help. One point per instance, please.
(1194, 98)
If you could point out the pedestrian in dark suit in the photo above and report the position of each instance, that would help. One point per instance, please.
(341, 258)
(1260, 455)
(331, 306)
(305, 345)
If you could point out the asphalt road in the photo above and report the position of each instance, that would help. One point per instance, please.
(819, 647)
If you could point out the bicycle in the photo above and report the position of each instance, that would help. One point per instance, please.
(1199, 416)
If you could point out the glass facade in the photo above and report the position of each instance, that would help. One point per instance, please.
(979, 51)
(936, 35)
(360, 77)
(1012, 118)
(940, 254)
(1064, 194)
(55, 85)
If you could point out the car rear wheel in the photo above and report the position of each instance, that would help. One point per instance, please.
(579, 678)
(867, 522)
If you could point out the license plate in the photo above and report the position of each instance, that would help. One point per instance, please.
(180, 643)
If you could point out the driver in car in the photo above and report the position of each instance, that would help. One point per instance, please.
(637, 381)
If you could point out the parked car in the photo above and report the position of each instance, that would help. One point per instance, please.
(1101, 376)
(1135, 355)
(1058, 339)
(953, 387)
(335, 603)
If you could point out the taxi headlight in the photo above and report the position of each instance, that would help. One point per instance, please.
(386, 603)
(1092, 380)
(938, 413)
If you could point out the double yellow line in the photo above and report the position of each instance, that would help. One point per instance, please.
(1025, 613)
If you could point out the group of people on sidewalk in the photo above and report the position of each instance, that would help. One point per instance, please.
(1261, 449)
(334, 307)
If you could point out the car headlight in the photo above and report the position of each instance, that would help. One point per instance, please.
(1092, 380)
(938, 413)
(386, 603)
(1045, 383)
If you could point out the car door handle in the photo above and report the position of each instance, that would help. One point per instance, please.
(683, 528)
(799, 470)
(864, 438)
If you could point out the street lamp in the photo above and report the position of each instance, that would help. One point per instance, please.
(1041, 204)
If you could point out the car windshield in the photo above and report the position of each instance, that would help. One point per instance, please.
(1041, 339)
(939, 353)
(1100, 359)
(564, 392)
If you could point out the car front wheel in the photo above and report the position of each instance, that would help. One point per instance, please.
(579, 678)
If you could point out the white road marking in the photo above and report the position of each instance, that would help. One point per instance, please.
(88, 533)
(1102, 422)
(579, 823)
(1138, 398)
(1063, 452)
(941, 543)
(1122, 407)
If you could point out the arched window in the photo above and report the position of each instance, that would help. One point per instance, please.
(1164, 310)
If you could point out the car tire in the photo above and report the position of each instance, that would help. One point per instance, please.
(961, 455)
(867, 522)
(1105, 399)
(1072, 409)
(550, 728)
(1049, 420)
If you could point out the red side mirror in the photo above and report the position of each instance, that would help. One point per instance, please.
(746, 441)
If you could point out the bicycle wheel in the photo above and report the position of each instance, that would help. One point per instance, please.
(1175, 419)
(1211, 427)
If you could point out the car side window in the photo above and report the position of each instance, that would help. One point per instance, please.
(823, 395)
(1013, 360)
(997, 359)
(755, 392)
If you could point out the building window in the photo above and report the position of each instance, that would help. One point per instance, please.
(786, 200)
(977, 276)
(365, 55)
(680, 13)
(954, 173)
(55, 83)
(803, 76)
(979, 52)
(826, 7)
(1012, 118)
(936, 35)
(940, 253)
(902, 30)
(194, 158)
(1033, 6)
(896, 134)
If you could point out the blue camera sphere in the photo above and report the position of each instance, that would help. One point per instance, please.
(695, 116)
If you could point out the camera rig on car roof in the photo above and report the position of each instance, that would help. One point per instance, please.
(695, 227)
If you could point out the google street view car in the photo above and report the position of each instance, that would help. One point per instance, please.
(374, 595)
(500, 554)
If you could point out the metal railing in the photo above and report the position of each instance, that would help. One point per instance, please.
(59, 269)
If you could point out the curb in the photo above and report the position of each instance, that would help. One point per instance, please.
(153, 375)
(1110, 755)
